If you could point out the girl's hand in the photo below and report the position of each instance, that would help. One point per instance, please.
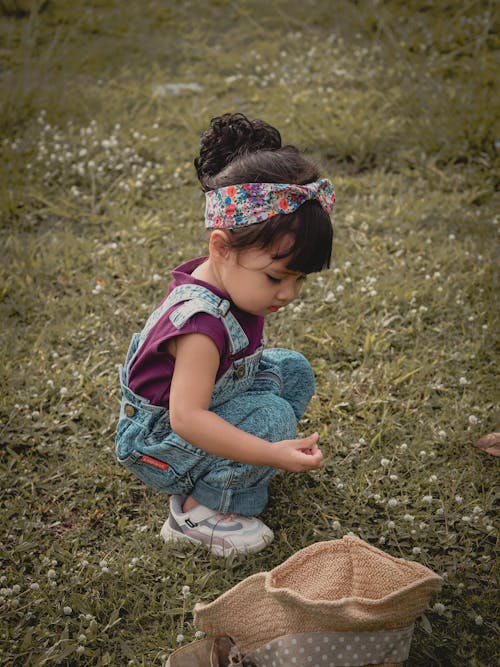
(299, 455)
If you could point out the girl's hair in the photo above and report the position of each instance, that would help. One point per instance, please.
(237, 150)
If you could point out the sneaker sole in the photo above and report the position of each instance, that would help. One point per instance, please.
(168, 534)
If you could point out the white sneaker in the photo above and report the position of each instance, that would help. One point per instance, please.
(224, 534)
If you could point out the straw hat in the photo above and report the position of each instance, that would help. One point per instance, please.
(330, 592)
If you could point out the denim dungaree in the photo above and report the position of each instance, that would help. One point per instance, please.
(264, 394)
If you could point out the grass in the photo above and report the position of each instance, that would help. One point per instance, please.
(98, 201)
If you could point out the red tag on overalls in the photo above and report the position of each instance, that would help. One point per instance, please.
(161, 465)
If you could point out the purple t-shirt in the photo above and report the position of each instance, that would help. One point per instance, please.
(151, 372)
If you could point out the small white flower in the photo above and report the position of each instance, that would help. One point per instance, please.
(63, 391)
(381, 540)
(35, 586)
(199, 634)
(477, 510)
(392, 502)
(103, 563)
(442, 434)
(330, 297)
(427, 499)
(440, 511)
(82, 638)
(393, 478)
(384, 463)
(416, 551)
(336, 525)
(67, 611)
(473, 419)
(16, 589)
(466, 519)
(459, 499)
(186, 590)
(80, 650)
(52, 574)
(439, 608)
(179, 639)
(422, 453)
(391, 524)
(463, 381)
(403, 447)
(409, 518)
(478, 620)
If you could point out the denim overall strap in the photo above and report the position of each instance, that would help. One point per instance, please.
(198, 299)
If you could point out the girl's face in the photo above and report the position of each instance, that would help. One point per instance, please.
(257, 283)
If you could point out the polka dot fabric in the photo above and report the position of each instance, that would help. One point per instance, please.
(334, 649)
(249, 203)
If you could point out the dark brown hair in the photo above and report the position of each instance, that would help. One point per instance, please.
(237, 150)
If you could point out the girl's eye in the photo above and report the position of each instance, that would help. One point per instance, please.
(273, 279)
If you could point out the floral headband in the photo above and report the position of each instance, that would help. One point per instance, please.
(250, 203)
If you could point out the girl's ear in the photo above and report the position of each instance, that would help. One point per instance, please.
(219, 246)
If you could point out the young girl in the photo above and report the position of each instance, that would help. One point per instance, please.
(208, 416)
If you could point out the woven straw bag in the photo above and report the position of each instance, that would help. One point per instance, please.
(339, 593)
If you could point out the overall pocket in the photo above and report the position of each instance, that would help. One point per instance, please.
(157, 473)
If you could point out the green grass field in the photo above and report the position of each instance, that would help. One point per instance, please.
(398, 101)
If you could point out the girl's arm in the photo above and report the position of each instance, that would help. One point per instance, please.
(196, 364)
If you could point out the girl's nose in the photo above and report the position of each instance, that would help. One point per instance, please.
(288, 290)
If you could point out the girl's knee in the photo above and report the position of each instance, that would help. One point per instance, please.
(292, 365)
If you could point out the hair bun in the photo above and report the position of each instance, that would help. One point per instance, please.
(228, 137)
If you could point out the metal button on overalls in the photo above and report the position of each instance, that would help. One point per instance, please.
(129, 410)
(240, 372)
